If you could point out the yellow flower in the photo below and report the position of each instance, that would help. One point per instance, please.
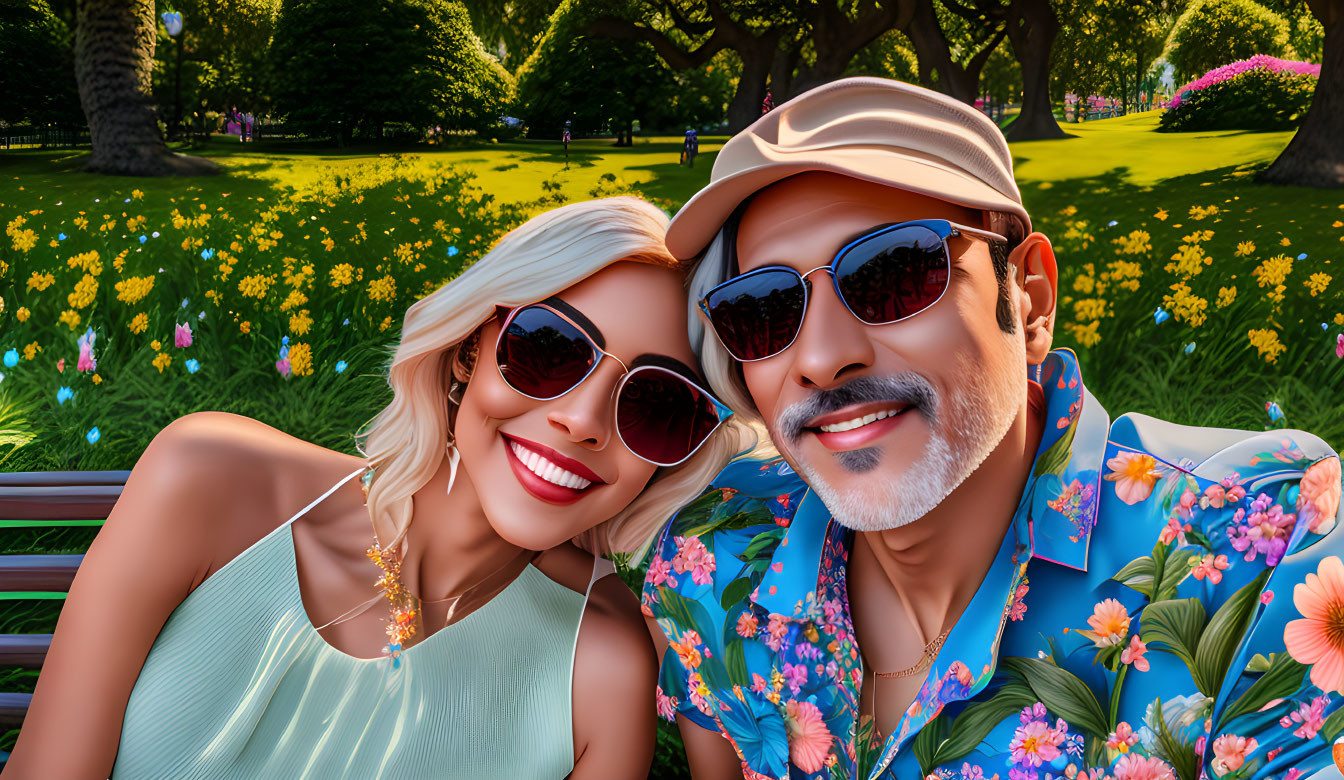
(40, 282)
(1245, 248)
(137, 194)
(1198, 236)
(342, 274)
(1084, 284)
(30, 351)
(133, 288)
(1273, 271)
(1136, 243)
(1339, 319)
(139, 322)
(255, 286)
(1188, 261)
(88, 261)
(1087, 309)
(162, 360)
(70, 317)
(300, 323)
(1161, 215)
(385, 324)
(1267, 343)
(1285, 242)
(96, 379)
(85, 290)
(300, 359)
(24, 240)
(1317, 283)
(22, 314)
(155, 345)
(1125, 273)
(245, 327)
(1226, 295)
(1200, 212)
(384, 289)
(294, 300)
(1068, 211)
(1086, 335)
(1185, 306)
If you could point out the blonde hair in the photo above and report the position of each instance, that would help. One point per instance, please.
(406, 441)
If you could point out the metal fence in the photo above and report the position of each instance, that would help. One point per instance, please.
(44, 137)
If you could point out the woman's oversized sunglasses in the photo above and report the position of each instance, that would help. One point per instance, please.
(890, 274)
(661, 416)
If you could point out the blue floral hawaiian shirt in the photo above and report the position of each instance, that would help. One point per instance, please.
(1168, 604)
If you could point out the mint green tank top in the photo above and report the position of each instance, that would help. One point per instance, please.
(239, 684)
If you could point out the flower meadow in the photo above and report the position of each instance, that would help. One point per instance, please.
(115, 320)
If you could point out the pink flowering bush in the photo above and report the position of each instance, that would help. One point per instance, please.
(1259, 93)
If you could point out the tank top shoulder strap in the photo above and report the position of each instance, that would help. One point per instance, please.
(601, 568)
(319, 499)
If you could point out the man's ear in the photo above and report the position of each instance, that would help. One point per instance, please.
(1038, 287)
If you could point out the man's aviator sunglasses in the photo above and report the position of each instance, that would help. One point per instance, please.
(661, 416)
(888, 275)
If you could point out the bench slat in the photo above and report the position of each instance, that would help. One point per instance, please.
(38, 572)
(13, 707)
(24, 649)
(60, 478)
(58, 502)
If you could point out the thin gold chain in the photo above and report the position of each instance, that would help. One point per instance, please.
(925, 661)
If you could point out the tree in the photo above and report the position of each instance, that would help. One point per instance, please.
(1215, 32)
(43, 90)
(114, 52)
(1109, 46)
(953, 42)
(511, 28)
(1315, 157)
(597, 84)
(346, 65)
(225, 45)
(1032, 27)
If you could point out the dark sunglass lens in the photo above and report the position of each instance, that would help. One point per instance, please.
(894, 275)
(662, 418)
(758, 315)
(542, 355)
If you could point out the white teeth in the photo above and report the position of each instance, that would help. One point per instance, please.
(858, 422)
(539, 465)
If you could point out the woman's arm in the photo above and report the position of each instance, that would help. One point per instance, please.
(709, 755)
(153, 550)
(614, 677)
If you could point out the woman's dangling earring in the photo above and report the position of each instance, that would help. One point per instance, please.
(453, 458)
(455, 392)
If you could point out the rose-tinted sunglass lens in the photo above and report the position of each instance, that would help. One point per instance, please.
(542, 355)
(662, 417)
(758, 315)
(894, 275)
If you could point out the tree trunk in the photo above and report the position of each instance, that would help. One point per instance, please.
(934, 54)
(1032, 28)
(114, 54)
(1315, 156)
(745, 107)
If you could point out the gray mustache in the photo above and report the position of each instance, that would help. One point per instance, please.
(908, 388)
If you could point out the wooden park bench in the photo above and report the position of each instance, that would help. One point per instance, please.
(44, 499)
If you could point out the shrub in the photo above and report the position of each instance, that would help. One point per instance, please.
(1258, 98)
(1212, 32)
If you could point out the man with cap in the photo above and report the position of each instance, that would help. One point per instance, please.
(962, 566)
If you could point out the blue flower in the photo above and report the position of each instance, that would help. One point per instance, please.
(1273, 410)
(64, 394)
(206, 254)
(60, 236)
(155, 234)
(340, 366)
(346, 321)
(143, 238)
(2, 376)
(284, 341)
(193, 366)
(1112, 223)
(185, 301)
(11, 358)
(1189, 347)
(452, 250)
(1160, 316)
(93, 435)
(1302, 256)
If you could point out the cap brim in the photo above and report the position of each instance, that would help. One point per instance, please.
(700, 219)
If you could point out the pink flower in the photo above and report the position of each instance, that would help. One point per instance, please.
(1109, 622)
(1188, 501)
(1035, 743)
(758, 683)
(1267, 597)
(1215, 494)
(667, 705)
(1318, 638)
(1266, 530)
(1239, 67)
(1209, 566)
(87, 362)
(659, 569)
(1293, 774)
(1122, 739)
(1310, 716)
(809, 739)
(1134, 474)
(282, 365)
(775, 631)
(1133, 766)
(1318, 495)
(1134, 654)
(182, 335)
(747, 625)
(795, 675)
(60, 365)
(1019, 609)
(693, 556)
(699, 693)
(1230, 752)
(1174, 530)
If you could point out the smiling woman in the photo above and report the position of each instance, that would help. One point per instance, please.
(513, 454)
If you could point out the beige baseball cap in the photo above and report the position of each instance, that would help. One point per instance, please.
(876, 129)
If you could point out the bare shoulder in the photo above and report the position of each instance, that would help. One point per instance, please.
(228, 479)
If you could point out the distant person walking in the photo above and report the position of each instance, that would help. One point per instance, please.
(248, 120)
(564, 139)
(689, 148)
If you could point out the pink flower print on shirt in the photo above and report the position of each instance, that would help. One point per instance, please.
(1134, 654)
(1035, 743)
(1318, 495)
(1209, 566)
(1309, 716)
(667, 705)
(1134, 474)
(1266, 530)
(1133, 766)
(1230, 752)
(692, 556)
(1122, 739)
